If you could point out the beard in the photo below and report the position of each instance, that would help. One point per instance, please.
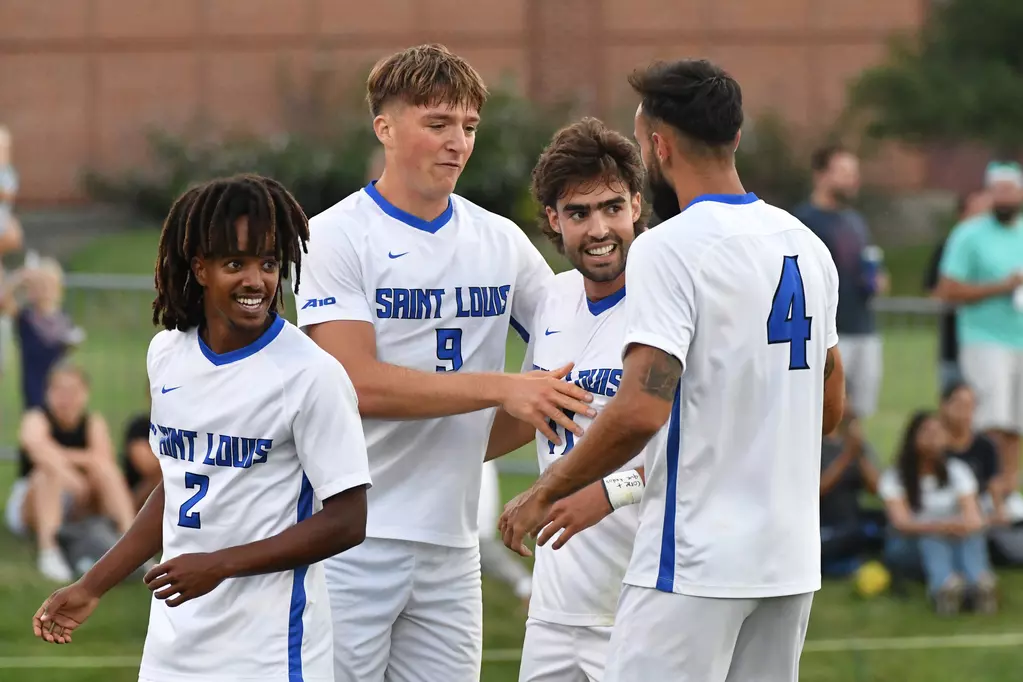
(1005, 213)
(577, 257)
(843, 197)
(663, 199)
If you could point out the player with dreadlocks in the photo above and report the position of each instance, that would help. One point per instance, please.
(256, 428)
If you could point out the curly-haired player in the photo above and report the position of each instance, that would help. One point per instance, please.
(256, 429)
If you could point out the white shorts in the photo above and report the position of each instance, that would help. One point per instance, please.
(14, 511)
(553, 652)
(996, 375)
(667, 636)
(863, 362)
(406, 612)
(490, 501)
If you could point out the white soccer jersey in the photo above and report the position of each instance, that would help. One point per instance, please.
(579, 583)
(440, 296)
(250, 442)
(744, 295)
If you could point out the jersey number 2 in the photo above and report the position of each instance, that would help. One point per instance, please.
(449, 349)
(788, 322)
(187, 518)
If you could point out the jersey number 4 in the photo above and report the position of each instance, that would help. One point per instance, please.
(186, 517)
(788, 322)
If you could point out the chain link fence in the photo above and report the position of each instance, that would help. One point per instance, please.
(115, 313)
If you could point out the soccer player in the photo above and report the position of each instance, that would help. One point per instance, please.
(588, 183)
(730, 339)
(263, 456)
(413, 289)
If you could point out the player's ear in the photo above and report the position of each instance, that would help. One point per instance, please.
(199, 270)
(553, 220)
(637, 205)
(383, 130)
(738, 137)
(661, 150)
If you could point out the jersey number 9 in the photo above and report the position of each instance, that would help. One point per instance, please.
(449, 349)
(788, 322)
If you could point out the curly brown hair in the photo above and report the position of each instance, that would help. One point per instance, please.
(425, 75)
(586, 152)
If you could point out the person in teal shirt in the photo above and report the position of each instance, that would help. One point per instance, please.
(982, 274)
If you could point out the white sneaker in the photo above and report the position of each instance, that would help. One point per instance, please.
(1014, 506)
(54, 566)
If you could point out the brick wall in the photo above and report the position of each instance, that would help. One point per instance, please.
(83, 80)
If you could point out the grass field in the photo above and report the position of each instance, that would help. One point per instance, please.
(115, 355)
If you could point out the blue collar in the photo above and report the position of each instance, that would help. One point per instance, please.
(734, 199)
(606, 303)
(390, 209)
(259, 344)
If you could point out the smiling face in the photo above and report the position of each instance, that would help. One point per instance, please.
(597, 223)
(239, 288)
(428, 145)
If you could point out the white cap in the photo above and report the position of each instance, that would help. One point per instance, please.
(1003, 172)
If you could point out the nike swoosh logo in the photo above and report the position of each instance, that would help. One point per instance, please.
(548, 332)
(396, 255)
(164, 389)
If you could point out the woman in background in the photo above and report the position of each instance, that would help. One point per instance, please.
(932, 508)
(45, 332)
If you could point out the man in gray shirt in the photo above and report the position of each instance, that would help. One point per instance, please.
(830, 216)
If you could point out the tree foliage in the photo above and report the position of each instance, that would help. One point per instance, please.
(959, 79)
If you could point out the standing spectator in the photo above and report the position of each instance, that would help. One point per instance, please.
(66, 470)
(10, 229)
(935, 518)
(45, 332)
(970, 204)
(829, 214)
(981, 270)
(848, 469)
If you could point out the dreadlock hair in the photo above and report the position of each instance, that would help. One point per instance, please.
(202, 223)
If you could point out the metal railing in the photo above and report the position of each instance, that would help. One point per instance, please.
(115, 312)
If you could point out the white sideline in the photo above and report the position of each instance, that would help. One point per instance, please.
(1006, 639)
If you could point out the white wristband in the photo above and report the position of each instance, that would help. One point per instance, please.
(623, 488)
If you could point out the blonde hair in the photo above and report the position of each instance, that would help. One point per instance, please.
(425, 75)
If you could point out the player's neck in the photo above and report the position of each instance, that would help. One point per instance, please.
(400, 195)
(596, 291)
(821, 198)
(221, 337)
(695, 183)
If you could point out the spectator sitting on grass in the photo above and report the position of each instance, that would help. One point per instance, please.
(848, 469)
(66, 470)
(141, 467)
(45, 332)
(935, 519)
(976, 450)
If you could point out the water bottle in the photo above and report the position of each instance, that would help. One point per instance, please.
(871, 260)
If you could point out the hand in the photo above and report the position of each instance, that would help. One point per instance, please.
(1014, 280)
(63, 612)
(538, 397)
(575, 513)
(882, 283)
(961, 528)
(189, 576)
(524, 515)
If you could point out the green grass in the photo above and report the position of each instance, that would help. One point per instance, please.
(118, 328)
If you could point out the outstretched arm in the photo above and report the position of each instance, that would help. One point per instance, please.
(650, 381)
(389, 391)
